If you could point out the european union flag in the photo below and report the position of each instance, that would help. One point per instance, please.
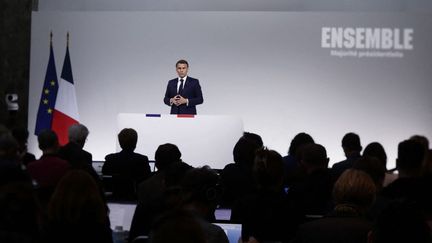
(48, 96)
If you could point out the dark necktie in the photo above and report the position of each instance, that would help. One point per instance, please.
(181, 86)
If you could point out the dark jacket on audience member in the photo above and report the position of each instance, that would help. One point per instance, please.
(128, 169)
(340, 227)
(73, 153)
(267, 216)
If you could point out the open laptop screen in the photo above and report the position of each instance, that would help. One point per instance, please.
(233, 231)
(121, 214)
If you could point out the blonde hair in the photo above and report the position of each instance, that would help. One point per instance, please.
(354, 188)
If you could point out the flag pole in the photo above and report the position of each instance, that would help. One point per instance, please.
(67, 39)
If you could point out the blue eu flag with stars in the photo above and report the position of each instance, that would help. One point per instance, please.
(48, 96)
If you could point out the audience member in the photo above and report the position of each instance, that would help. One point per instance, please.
(73, 151)
(49, 169)
(266, 215)
(21, 135)
(400, 222)
(127, 168)
(178, 226)
(9, 148)
(201, 192)
(293, 171)
(313, 194)
(236, 178)
(167, 157)
(411, 185)
(352, 148)
(377, 151)
(376, 170)
(77, 212)
(20, 215)
(254, 137)
(160, 192)
(10, 168)
(427, 166)
(353, 193)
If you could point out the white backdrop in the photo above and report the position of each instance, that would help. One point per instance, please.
(266, 67)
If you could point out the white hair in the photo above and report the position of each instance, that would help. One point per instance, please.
(78, 133)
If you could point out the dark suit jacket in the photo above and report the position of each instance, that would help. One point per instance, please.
(191, 91)
(128, 169)
(76, 156)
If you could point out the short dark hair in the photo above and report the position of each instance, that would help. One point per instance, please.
(166, 154)
(47, 139)
(268, 168)
(128, 138)
(351, 141)
(254, 137)
(315, 154)
(410, 155)
(244, 152)
(298, 141)
(182, 61)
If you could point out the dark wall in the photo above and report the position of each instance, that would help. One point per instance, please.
(15, 16)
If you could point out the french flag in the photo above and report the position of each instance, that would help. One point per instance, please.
(66, 108)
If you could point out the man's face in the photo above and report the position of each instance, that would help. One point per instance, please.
(182, 70)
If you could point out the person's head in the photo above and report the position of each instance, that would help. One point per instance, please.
(410, 157)
(354, 189)
(422, 140)
(48, 141)
(376, 150)
(351, 144)
(178, 226)
(21, 135)
(373, 167)
(244, 152)
(400, 222)
(8, 147)
(78, 134)
(298, 141)
(254, 137)
(166, 154)
(128, 138)
(427, 164)
(77, 199)
(182, 67)
(268, 169)
(314, 156)
(201, 189)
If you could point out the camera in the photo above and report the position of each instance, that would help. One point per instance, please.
(12, 102)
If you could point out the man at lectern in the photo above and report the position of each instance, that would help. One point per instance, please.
(183, 93)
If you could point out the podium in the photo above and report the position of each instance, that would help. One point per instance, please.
(202, 139)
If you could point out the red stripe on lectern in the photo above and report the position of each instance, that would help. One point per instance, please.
(185, 116)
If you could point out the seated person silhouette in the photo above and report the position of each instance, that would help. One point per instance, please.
(126, 167)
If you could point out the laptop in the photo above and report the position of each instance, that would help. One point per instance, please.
(121, 215)
(233, 231)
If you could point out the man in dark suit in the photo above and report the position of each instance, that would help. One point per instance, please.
(73, 151)
(352, 147)
(183, 93)
(126, 167)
